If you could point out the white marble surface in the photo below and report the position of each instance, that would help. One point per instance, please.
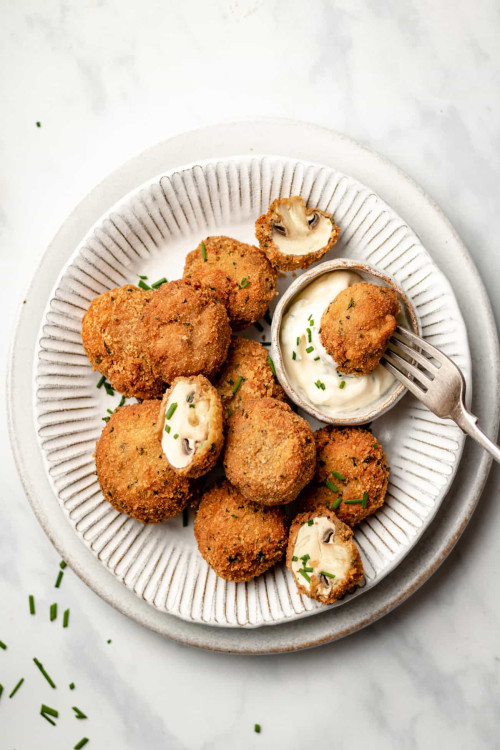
(417, 81)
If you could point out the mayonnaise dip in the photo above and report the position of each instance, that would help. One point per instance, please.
(185, 426)
(311, 370)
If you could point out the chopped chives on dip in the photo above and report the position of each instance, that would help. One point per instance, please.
(310, 349)
(171, 409)
(294, 356)
(309, 334)
(310, 522)
(303, 573)
(342, 384)
(176, 436)
(167, 428)
(298, 340)
(365, 499)
(325, 573)
(204, 252)
(238, 383)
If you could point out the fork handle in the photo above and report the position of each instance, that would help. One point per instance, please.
(468, 423)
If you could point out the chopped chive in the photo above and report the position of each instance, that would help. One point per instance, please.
(79, 714)
(167, 428)
(375, 445)
(50, 711)
(259, 327)
(303, 573)
(108, 641)
(101, 381)
(311, 323)
(53, 611)
(142, 284)
(338, 476)
(233, 515)
(365, 499)
(80, 744)
(143, 277)
(63, 564)
(267, 317)
(31, 599)
(59, 579)
(294, 558)
(271, 365)
(238, 383)
(353, 502)
(176, 436)
(244, 283)
(315, 359)
(106, 419)
(305, 558)
(256, 728)
(325, 573)
(310, 349)
(310, 522)
(229, 413)
(1, 690)
(185, 517)
(309, 335)
(192, 406)
(308, 570)
(171, 410)
(158, 283)
(71, 685)
(351, 303)
(122, 401)
(294, 356)
(109, 389)
(2, 645)
(47, 718)
(204, 252)
(38, 124)
(336, 504)
(44, 672)
(110, 411)
(266, 343)
(66, 618)
(298, 340)
(342, 384)
(17, 687)
(331, 486)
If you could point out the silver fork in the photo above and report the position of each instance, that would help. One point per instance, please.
(435, 380)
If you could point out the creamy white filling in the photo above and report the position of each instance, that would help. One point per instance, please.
(326, 555)
(309, 369)
(300, 238)
(187, 427)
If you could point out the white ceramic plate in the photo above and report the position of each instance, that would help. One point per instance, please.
(149, 233)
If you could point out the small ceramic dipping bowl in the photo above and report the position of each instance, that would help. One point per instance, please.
(407, 317)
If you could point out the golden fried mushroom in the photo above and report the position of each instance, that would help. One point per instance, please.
(113, 339)
(269, 453)
(246, 374)
(351, 474)
(186, 331)
(238, 538)
(240, 275)
(357, 325)
(134, 475)
(294, 236)
(322, 556)
(191, 426)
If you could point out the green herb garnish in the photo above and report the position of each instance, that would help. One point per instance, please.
(142, 284)
(31, 600)
(338, 476)
(342, 384)
(167, 428)
(336, 504)
(204, 252)
(59, 579)
(71, 685)
(80, 744)
(355, 501)
(298, 340)
(158, 283)
(44, 672)
(294, 356)
(244, 283)
(63, 564)
(309, 335)
(2, 645)
(331, 486)
(271, 365)
(310, 522)
(66, 618)
(310, 349)
(50, 711)
(79, 714)
(171, 410)
(303, 573)
(101, 381)
(176, 436)
(238, 383)
(328, 575)
(294, 558)
(351, 303)
(53, 611)
(315, 359)
(256, 728)
(16, 687)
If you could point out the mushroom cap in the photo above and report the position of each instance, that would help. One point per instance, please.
(294, 236)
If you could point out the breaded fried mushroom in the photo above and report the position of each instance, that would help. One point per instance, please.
(245, 374)
(134, 475)
(186, 331)
(351, 474)
(240, 275)
(191, 426)
(357, 325)
(294, 236)
(269, 453)
(239, 539)
(322, 556)
(113, 339)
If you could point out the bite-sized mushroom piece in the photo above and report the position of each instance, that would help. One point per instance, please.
(322, 556)
(294, 236)
(357, 324)
(191, 426)
(238, 538)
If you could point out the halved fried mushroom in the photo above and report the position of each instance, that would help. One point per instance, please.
(323, 557)
(191, 426)
(294, 236)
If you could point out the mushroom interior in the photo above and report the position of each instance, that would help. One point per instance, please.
(298, 230)
(319, 555)
(186, 425)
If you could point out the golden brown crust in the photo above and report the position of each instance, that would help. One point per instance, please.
(270, 452)
(205, 457)
(134, 475)
(357, 325)
(249, 360)
(344, 535)
(264, 233)
(113, 339)
(186, 331)
(240, 275)
(239, 539)
(358, 457)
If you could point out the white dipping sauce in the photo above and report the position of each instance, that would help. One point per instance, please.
(313, 373)
(187, 427)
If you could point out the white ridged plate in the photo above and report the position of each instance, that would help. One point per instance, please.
(149, 233)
